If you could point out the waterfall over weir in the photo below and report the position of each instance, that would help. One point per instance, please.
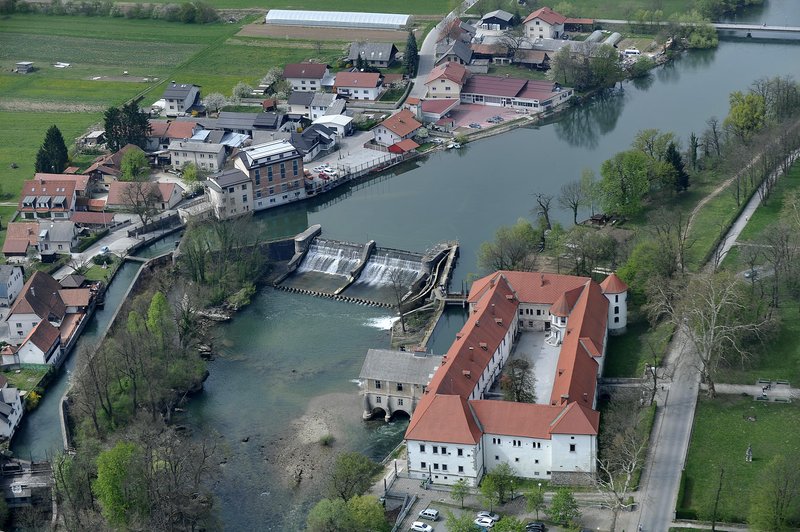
(331, 259)
(387, 268)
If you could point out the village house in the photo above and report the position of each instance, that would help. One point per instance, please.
(456, 433)
(300, 104)
(108, 168)
(46, 198)
(322, 103)
(394, 381)
(230, 193)
(205, 155)
(544, 23)
(38, 301)
(309, 77)
(21, 237)
(434, 111)
(276, 170)
(445, 81)
(313, 140)
(531, 96)
(341, 124)
(56, 237)
(456, 51)
(163, 132)
(123, 194)
(497, 20)
(376, 54)
(10, 409)
(181, 99)
(11, 281)
(398, 127)
(359, 85)
(41, 346)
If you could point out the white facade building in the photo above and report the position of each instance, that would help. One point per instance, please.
(230, 193)
(206, 156)
(11, 281)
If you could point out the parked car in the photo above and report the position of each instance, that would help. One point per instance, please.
(104, 249)
(475, 125)
(494, 517)
(429, 513)
(419, 526)
(484, 522)
(535, 526)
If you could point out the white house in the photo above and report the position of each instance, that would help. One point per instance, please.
(341, 124)
(205, 155)
(309, 77)
(55, 237)
(300, 103)
(359, 85)
(122, 194)
(38, 301)
(10, 409)
(230, 194)
(544, 23)
(399, 126)
(11, 281)
(455, 433)
(42, 346)
(320, 104)
(47, 198)
(181, 98)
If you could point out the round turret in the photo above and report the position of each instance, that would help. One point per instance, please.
(616, 291)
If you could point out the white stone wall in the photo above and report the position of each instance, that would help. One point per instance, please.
(7, 429)
(384, 137)
(20, 325)
(443, 467)
(528, 457)
(569, 461)
(279, 198)
(13, 287)
(533, 316)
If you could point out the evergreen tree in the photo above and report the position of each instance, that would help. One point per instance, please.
(412, 54)
(53, 155)
(127, 125)
(673, 157)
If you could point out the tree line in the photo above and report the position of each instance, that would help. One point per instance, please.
(195, 12)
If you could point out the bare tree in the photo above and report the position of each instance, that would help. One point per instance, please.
(544, 201)
(716, 316)
(513, 39)
(398, 290)
(142, 198)
(517, 382)
(671, 230)
(780, 250)
(572, 197)
(713, 135)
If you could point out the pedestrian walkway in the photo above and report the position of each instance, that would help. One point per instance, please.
(766, 391)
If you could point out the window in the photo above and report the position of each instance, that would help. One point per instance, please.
(244, 187)
(461, 469)
(19, 326)
(444, 467)
(60, 246)
(422, 447)
(399, 386)
(423, 465)
(436, 467)
(538, 312)
(460, 452)
(230, 190)
(283, 170)
(444, 450)
(378, 400)
(516, 459)
(536, 461)
(271, 190)
(520, 312)
(572, 447)
(400, 402)
(496, 458)
(294, 166)
(244, 198)
(616, 319)
(435, 449)
(269, 175)
(616, 310)
(616, 299)
(377, 383)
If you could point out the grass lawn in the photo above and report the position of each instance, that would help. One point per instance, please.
(720, 438)
(28, 376)
(769, 213)
(629, 353)
(98, 273)
(516, 72)
(412, 7)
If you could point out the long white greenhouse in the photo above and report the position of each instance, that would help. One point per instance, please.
(338, 19)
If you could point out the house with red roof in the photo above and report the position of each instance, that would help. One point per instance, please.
(359, 85)
(529, 96)
(309, 77)
(47, 198)
(167, 194)
(544, 23)
(446, 80)
(396, 128)
(457, 433)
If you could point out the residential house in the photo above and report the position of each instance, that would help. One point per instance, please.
(276, 170)
(41, 346)
(121, 194)
(163, 132)
(394, 381)
(81, 182)
(107, 168)
(38, 301)
(376, 54)
(497, 20)
(445, 81)
(300, 104)
(11, 281)
(320, 104)
(20, 238)
(544, 23)
(455, 433)
(399, 126)
(181, 99)
(230, 193)
(359, 85)
(314, 140)
(456, 30)
(456, 51)
(206, 156)
(56, 237)
(531, 96)
(310, 77)
(341, 124)
(46, 198)
(11, 409)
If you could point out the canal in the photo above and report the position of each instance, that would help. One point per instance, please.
(287, 355)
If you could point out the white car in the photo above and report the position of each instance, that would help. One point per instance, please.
(489, 515)
(484, 522)
(419, 526)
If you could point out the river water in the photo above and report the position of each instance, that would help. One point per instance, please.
(288, 351)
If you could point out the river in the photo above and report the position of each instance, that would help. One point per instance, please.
(288, 353)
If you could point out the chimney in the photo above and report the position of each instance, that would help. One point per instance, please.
(541, 279)
(498, 321)
(477, 323)
(560, 372)
(484, 346)
(33, 291)
(585, 397)
(467, 373)
(493, 309)
(459, 336)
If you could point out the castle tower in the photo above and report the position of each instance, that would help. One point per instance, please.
(616, 291)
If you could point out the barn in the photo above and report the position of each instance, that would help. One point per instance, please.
(338, 19)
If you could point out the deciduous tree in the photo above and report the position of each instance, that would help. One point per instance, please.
(215, 101)
(119, 484)
(142, 199)
(459, 523)
(624, 183)
(746, 115)
(564, 507)
(513, 248)
(351, 475)
(517, 382)
(572, 197)
(775, 503)
(134, 166)
(459, 491)
(534, 501)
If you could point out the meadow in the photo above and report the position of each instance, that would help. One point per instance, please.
(608, 9)
(409, 7)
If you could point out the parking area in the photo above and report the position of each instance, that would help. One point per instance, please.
(466, 114)
(352, 155)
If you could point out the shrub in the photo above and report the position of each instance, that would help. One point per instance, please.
(32, 400)
(327, 440)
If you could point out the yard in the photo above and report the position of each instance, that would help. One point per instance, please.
(27, 377)
(721, 435)
(629, 353)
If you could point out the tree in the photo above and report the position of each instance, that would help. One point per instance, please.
(160, 323)
(134, 166)
(501, 480)
(717, 316)
(367, 514)
(694, 144)
(587, 248)
(746, 115)
(564, 507)
(411, 56)
(572, 197)
(517, 382)
(126, 125)
(534, 501)
(241, 91)
(776, 502)
(513, 248)
(509, 523)
(590, 188)
(329, 515)
(192, 174)
(624, 183)
(459, 491)
(119, 484)
(272, 76)
(513, 39)
(459, 523)
(215, 101)
(606, 67)
(674, 159)
(488, 492)
(142, 198)
(52, 156)
(543, 201)
(351, 475)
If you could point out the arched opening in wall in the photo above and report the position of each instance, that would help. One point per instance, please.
(378, 413)
(398, 415)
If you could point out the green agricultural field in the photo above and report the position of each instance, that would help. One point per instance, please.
(409, 7)
(720, 438)
(608, 9)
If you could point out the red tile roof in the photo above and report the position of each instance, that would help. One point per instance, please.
(402, 124)
(48, 187)
(39, 296)
(180, 129)
(613, 285)
(438, 106)
(358, 79)
(563, 305)
(572, 20)
(20, 235)
(493, 86)
(403, 146)
(548, 15)
(576, 419)
(305, 70)
(516, 419)
(75, 297)
(443, 418)
(43, 336)
(412, 101)
(531, 287)
(158, 128)
(455, 72)
(81, 181)
(117, 189)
